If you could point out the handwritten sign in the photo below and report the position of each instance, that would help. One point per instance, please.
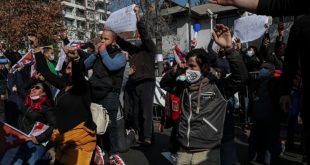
(123, 20)
(250, 28)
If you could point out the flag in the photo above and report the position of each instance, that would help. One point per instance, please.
(61, 59)
(38, 129)
(25, 60)
(10, 137)
(179, 56)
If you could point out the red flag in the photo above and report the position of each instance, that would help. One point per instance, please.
(26, 59)
(38, 129)
(10, 137)
(179, 56)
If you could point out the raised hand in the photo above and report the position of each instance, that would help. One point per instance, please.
(222, 36)
(100, 47)
(249, 5)
(136, 9)
(73, 55)
(222, 2)
(237, 44)
(34, 42)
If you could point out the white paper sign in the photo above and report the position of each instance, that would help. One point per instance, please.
(61, 60)
(250, 28)
(123, 20)
(160, 58)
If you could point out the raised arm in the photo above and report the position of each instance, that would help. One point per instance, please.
(42, 67)
(249, 5)
(126, 46)
(239, 74)
(146, 39)
(90, 60)
(212, 54)
(269, 7)
(78, 77)
(113, 64)
(169, 81)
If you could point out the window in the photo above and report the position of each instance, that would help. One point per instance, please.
(69, 22)
(80, 13)
(69, 10)
(91, 4)
(90, 15)
(80, 35)
(100, 5)
(81, 25)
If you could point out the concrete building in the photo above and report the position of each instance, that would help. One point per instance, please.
(84, 19)
(179, 28)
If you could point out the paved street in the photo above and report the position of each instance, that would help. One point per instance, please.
(153, 155)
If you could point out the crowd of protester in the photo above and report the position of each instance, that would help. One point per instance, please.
(120, 76)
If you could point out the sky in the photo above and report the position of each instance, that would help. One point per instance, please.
(116, 6)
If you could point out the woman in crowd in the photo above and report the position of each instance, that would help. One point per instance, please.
(37, 108)
(74, 136)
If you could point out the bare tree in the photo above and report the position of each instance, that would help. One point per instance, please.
(21, 17)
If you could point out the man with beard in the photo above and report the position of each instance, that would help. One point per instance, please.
(108, 64)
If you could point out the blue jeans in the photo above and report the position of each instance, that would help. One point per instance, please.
(27, 153)
(114, 140)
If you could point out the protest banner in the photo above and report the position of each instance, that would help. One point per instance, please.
(123, 20)
(250, 28)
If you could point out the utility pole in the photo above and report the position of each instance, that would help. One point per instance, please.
(158, 38)
(189, 25)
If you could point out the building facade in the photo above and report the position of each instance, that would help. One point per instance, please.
(84, 19)
(179, 28)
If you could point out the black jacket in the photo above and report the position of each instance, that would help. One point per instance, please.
(28, 118)
(103, 80)
(72, 107)
(143, 57)
(203, 108)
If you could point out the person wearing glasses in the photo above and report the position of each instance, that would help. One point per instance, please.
(37, 107)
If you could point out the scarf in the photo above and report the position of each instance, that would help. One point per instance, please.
(37, 104)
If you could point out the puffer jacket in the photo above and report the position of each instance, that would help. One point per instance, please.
(203, 104)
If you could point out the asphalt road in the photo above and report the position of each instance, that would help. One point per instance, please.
(152, 155)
